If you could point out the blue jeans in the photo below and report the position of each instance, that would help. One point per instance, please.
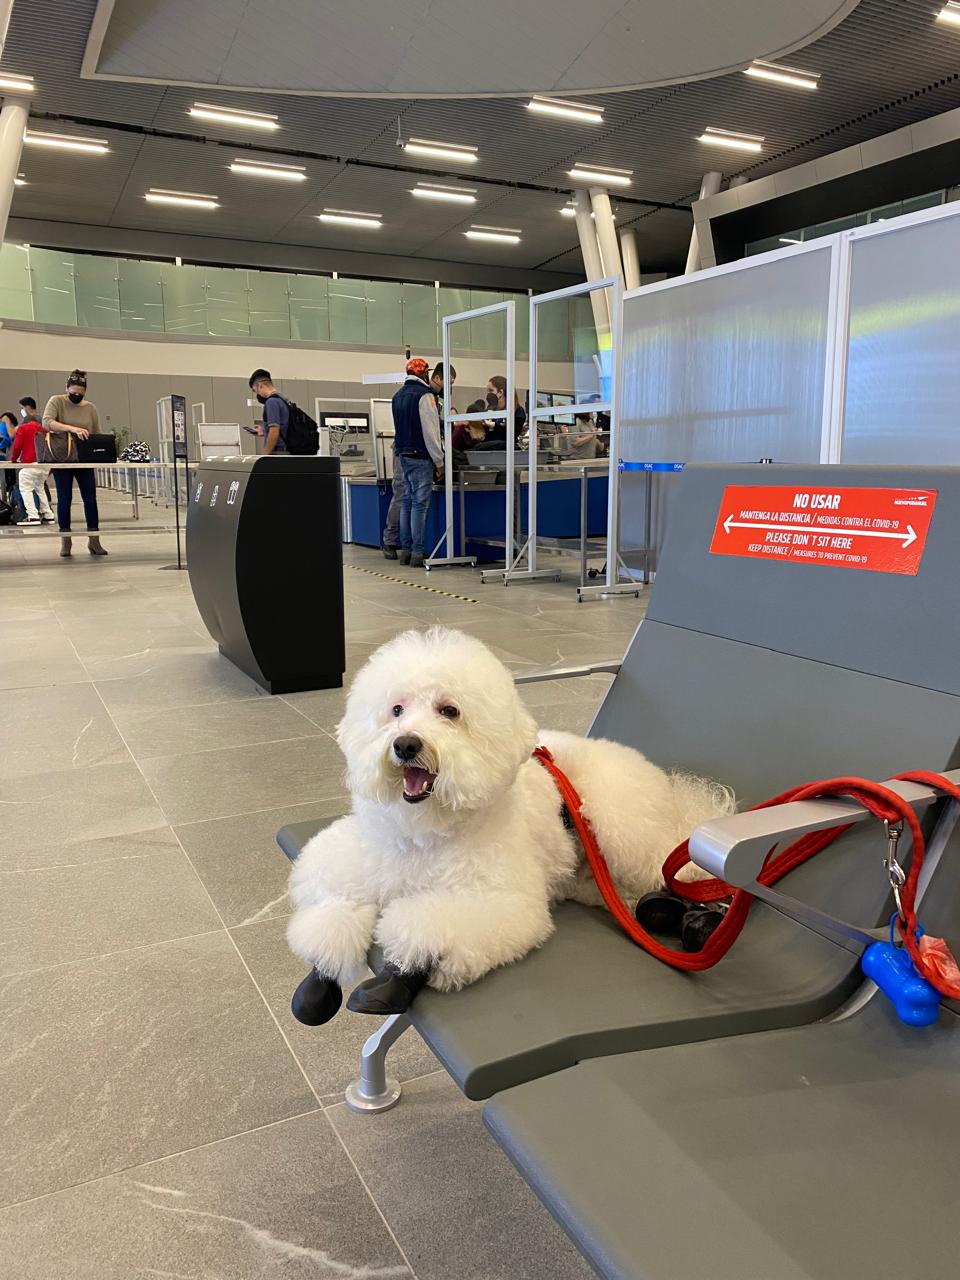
(417, 491)
(391, 532)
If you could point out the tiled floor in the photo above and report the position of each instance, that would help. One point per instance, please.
(162, 1113)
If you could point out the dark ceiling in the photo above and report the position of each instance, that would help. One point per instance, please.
(888, 64)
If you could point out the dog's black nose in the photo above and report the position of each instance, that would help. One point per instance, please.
(407, 747)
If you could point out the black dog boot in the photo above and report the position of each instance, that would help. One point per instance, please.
(390, 991)
(316, 1000)
(661, 913)
(698, 925)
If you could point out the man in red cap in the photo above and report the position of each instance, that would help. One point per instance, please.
(419, 450)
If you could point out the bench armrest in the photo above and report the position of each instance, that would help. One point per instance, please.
(734, 849)
(565, 673)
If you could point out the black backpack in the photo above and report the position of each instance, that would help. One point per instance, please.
(301, 435)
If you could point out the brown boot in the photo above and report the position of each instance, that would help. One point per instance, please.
(66, 545)
(93, 545)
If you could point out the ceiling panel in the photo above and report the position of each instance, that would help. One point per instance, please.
(888, 64)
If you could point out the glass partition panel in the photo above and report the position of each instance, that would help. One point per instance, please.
(184, 299)
(420, 325)
(903, 376)
(141, 296)
(384, 315)
(269, 294)
(523, 319)
(721, 368)
(348, 311)
(309, 308)
(228, 305)
(553, 330)
(54, 297)
(450, 303)
(16, 299)
(97, 291)
(486, 332)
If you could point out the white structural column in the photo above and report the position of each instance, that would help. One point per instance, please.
(631, 259)
(606, 232)
(13, 121)
(6, 8)
(708, 187)
(591, 260)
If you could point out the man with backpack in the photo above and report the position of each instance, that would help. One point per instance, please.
(286, 427)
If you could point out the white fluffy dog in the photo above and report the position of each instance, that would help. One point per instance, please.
(456, 847)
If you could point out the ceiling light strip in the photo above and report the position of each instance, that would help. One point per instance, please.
(16, 83)
(779, 74)
(602, 175)
(442, 150)
(950, 14)
(731, 138)
(65, 142)
(581, 111)
(234, 115)
(351, 218)
(499, 235)
(185, 199)
(443, 192)
(267, 169)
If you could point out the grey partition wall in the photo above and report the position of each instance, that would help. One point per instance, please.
(729, 365)
(902, 402)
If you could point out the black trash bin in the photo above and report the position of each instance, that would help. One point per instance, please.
(263, 551)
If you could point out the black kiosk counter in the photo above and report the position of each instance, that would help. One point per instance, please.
(263, 551)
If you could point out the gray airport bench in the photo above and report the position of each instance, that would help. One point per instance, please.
(762, 674)
(803, 1154)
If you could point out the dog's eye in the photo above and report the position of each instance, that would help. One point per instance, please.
(449, 712)
(397, 711)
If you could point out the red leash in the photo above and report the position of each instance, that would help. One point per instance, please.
(926, 953)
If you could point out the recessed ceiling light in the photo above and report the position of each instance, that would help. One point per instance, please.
(267, 169)
(442, 150)
(18, 83)
(730, 138)
(439, 191)
(789, 240)
(950, 14)
(235, 115)
(188, 199)
(65, 142)
(351, 218)
(581, 111)
(568, 211)
(20, 181)
(779, 74)
(501, 235)
(606, 177)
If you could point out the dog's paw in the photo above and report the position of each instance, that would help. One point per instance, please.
(334, 937)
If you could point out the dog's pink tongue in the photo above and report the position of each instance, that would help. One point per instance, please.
(416, 780)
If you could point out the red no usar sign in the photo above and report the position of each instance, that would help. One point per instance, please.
(884, 530)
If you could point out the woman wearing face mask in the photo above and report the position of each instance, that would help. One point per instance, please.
(73, 414)
(497, 399)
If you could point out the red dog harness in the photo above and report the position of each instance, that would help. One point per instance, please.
(931, 956)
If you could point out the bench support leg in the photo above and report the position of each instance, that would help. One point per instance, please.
(373, 1091)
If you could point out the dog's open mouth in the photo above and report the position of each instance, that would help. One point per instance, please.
(417, 784)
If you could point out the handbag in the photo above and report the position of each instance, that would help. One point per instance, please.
(55, 446)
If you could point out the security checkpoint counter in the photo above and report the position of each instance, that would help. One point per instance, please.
(571, 506)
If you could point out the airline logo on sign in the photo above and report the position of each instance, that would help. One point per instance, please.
(884, 530)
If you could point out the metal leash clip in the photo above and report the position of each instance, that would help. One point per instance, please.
(895, 873)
